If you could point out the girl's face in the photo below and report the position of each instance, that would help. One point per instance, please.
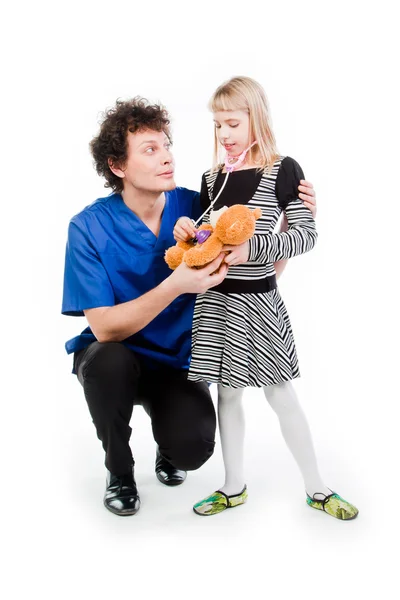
(233, 130)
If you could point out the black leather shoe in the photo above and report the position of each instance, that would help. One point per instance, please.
(121, 496)
(166, 473)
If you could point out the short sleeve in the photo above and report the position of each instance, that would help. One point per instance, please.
(287, 181)
(86, 283)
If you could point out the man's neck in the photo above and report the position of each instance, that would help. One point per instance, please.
(146, 205)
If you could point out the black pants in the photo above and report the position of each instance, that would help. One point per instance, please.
(181, 411)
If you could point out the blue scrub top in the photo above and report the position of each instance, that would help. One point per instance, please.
(113, 257)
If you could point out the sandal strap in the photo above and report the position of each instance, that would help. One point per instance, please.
(327, 498)
(232, 496)
(223, 494)
(324, 500)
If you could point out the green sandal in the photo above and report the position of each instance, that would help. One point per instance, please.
(334, 505)
(218, 501)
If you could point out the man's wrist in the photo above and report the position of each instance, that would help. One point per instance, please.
(169, 288)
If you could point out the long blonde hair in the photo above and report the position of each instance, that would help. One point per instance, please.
(244, 93)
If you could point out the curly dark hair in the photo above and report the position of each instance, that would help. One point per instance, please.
(111, 143)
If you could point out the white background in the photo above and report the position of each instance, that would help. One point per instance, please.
(329, 70)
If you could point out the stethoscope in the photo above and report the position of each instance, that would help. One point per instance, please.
(203, 234)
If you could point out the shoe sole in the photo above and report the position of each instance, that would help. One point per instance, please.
(333, 516)
(217, 513)
(172, 482)
(210, 514)
(122, 514)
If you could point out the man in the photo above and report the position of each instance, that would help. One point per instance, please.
(137, 346)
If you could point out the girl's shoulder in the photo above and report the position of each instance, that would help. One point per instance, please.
(287, 181)
(288, 164)
(213, 171)
(285, 168)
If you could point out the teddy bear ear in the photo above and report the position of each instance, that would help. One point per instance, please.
(257, 212)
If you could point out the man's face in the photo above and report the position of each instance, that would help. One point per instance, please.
(150, 164)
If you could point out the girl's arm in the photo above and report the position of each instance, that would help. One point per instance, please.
(307, 194)
(300, 237)
(301, 234)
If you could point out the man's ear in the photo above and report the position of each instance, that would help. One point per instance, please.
(115, 168)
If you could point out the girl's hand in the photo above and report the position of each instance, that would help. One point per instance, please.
(307, 195)
(184, 229)
(237, 254)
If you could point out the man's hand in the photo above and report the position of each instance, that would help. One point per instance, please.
(184, 229)
(186, 280)
(307, 194)
(237, 254)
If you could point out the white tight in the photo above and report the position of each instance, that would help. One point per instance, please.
(296, 432)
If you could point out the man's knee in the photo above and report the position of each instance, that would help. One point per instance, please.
(189, 455)
(107, 360)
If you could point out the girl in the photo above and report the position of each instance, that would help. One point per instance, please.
(242, 334)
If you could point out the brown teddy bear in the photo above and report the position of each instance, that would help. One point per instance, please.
(234, 225)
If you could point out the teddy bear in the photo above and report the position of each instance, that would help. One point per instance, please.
(234, 225)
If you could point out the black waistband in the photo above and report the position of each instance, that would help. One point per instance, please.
(246, 286)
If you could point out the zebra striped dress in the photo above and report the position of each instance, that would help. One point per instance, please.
(242, 334)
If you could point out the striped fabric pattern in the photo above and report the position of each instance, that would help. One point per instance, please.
(242, 340)
(300, 238)
(246, 339)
